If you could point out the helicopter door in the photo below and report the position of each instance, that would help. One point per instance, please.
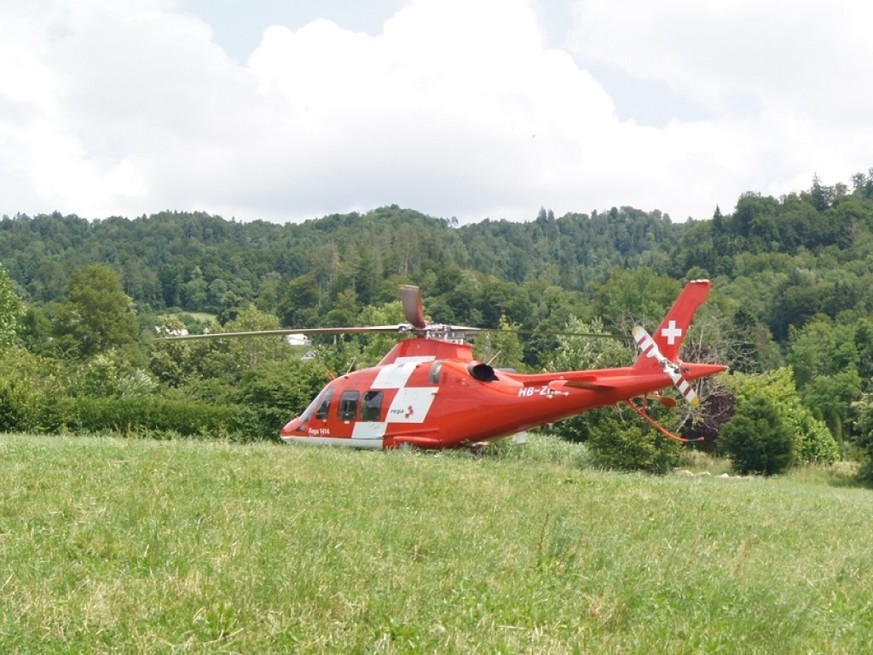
(348, 406)
(347, 411)
(368, 430)
(370, 427)
(371, 409)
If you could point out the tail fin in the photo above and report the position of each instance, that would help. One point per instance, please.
(672, 330)
(651, 352)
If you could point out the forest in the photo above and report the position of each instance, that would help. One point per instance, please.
(82, 303)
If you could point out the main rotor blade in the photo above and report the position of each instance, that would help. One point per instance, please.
(286, 331)
(413, 309)
(561, 333)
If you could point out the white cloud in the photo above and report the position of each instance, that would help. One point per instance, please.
(782, 81)
(456, 108)
(800, 57)
(446, 120)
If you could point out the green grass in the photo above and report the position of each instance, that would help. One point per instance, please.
(110, 545)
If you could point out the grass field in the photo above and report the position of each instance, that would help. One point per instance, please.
(110, 545)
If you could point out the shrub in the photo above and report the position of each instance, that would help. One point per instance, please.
(108, 375)
(813, 442)
(154, 416)
(11, 407)
(757, 439)
(274, 392)
(863, 430)
(31, 392)
(629, 445)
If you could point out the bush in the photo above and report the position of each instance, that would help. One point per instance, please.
(155, 417)
(813, 442)
(274, 392)
(11, 407)
(31, 392)
(757, 439)
(629, 445)
(863, 430)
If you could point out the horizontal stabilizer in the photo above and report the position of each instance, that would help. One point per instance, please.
(590, 386)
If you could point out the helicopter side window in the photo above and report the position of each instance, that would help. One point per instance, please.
(348, 405)
(324, 404)
(372, 406)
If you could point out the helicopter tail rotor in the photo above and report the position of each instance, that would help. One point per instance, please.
(650, 350)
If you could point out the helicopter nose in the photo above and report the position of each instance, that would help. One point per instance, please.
(293, 428)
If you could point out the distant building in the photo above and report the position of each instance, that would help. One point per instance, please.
(298, 340)
(165, 331)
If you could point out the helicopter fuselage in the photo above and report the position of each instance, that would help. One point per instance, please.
(432, 393)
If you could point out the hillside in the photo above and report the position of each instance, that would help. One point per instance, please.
(783, 260)
(793, 290)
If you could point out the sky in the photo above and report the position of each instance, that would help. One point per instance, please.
(286, 110)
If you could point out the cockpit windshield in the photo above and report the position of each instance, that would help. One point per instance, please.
(320, 406)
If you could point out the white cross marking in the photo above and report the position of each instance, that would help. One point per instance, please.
(671, 333)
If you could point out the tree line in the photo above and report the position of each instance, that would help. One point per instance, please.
(792, 298)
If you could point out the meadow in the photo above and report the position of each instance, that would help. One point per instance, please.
(136, 546)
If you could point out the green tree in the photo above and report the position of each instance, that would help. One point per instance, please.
(230, 305)
(575, 351)
(98, 316)
(107, 375)
(812, 441)
(638, 296)
(375, 345)
(753, 349)
(862, 410)
(757, 439)
(195, 292)
(298, 302)
(228, 359)
(32, 391)
(11, 311)
(36, 331)
(826, 357)
(345, 310)
(502, 346)
(274, 392)
(210, 369)
(173, 363)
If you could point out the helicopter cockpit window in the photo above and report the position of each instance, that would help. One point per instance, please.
(372, 406)
(435, 370)
(324, 404)
(348, 405)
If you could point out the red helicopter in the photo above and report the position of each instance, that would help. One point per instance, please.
(430, 392)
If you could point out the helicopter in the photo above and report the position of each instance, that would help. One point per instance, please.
(430, 392)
